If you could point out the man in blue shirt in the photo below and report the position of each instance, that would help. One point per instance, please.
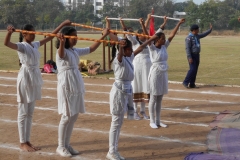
(192, 44)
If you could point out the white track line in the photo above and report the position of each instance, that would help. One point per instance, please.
(90, 84)
(167, 98)
(106, 102)
(107, 115)
(173, 82)
(40, 152)
(170, 90)
(205, 92)
(160, 138)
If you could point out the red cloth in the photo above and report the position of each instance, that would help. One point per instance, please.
(151, 26)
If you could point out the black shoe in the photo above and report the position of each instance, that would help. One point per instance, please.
(193, 86)
(185, 85)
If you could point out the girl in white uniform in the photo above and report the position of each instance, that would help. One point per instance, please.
(142, 64)
(121, 99)
(70, 89)
(29, 81)
(158, 77)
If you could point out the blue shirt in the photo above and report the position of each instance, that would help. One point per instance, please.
(192, 43)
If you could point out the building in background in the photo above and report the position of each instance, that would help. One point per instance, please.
(98, 4)
(177, 14)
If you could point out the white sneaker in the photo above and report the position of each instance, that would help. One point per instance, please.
(136, 116)
(112, 156)
(163, 125)
(119, 156)
(144, 115)
(62, 151)
(153, 125)
(73, 151)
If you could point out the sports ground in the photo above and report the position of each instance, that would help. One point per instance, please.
(187, 112)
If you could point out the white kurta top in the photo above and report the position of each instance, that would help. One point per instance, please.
(122, 88)
(142, 64)
(70, 88)
(158, 77)
(29, 74)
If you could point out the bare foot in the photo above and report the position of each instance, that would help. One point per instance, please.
(35, 148)
(26, 147)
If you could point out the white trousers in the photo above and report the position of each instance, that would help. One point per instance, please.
(25, 112)
(65, 130)
(116, 124)
(142, 109)
(155, 105)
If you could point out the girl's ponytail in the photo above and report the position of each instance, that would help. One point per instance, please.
(20, 37)
(140, 31)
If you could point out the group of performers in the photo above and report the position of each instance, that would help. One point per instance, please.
(140, 70)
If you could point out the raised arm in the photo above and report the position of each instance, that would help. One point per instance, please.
(143, 26)
(147, 42)
(202, 35)
(45, 40)
(147, 20)
(162, 26)
(174, 31)
(123, 25)
(121, 51)
(112, 36)
(95, 45)
(7, 42)
(62, 41)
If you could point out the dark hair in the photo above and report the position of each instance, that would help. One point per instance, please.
(65, 31)
(194, 27)
(27, 27)
(129, 44)
(159, 35)
(130, 29)
(140, 31)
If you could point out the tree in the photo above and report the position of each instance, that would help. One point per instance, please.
(161, 8)
(208, 14)
(180, 7)
(85, 14)
(17, 12)
(234, 23)
(224, 16)
(192, 13)
(48, 10)
(110, 10)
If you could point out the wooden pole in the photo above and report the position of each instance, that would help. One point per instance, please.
(45, 52)
(104, 56)
(109, 66)
(51, 50)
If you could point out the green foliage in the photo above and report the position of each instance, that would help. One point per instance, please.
(110, 10)
(47, 10)
(220, 13)
(17, 13)
(192, 13)
(82, 14)
(208, 14)
(234, 24)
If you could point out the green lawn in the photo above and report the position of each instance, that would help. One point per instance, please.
(220, 57)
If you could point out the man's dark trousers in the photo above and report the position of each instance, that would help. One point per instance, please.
(192, 73)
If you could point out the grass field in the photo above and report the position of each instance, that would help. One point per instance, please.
(219, 64)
